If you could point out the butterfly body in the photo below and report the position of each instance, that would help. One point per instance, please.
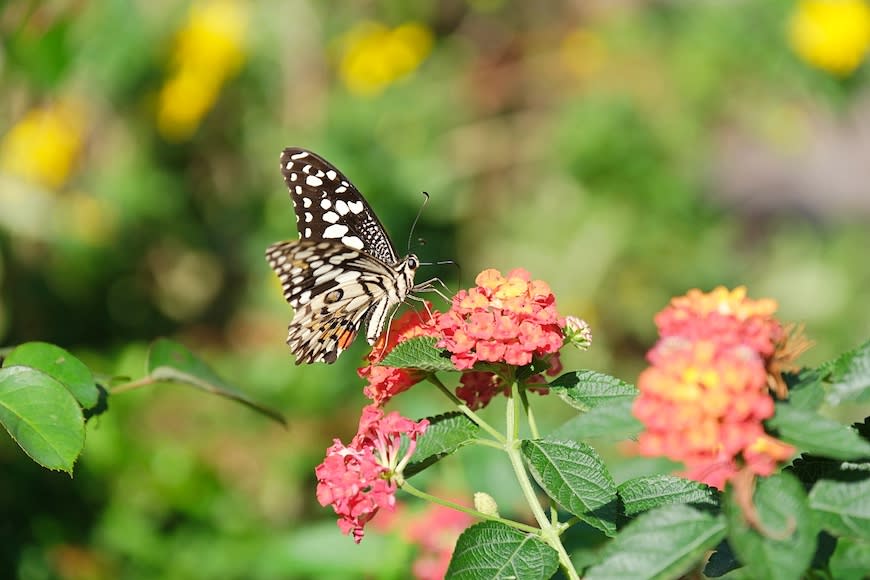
(343, 271)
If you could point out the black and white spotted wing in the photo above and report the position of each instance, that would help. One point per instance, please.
(329, 207)
(343, 271)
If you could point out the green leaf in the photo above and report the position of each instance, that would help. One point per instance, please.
(786, 548)
(612, 421)
(586, 390)
(493, 551)
(850, 376)
(61, 365)
(573, 474)
(42, 416)
(843, 507)
(445, 434)
(651, 491)
(805, 389)
(418, 353)
(170, 361)
(663, 543)
(850, 560)
(813, 433)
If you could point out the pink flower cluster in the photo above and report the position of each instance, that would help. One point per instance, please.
(705, 397)
(508, 319)
(360, 479)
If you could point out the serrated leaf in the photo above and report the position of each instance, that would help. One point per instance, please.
(850, 560)
(611, 421)
(59, 364)
(42, 416)
(444, 435)
(586, 390)
(850, 376)
(418, 353)
(494, 551)
(574, 475)
(651, 491)
(786, 548)
(843, 508)
(170, 361)
(662, 543)
(810, 432)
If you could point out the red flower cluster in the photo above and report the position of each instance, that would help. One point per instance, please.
(705, 396)
(503, 319)
(479, 387)
(384, 383)
(359, 479)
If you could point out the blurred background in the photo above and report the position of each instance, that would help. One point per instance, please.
(624, 151)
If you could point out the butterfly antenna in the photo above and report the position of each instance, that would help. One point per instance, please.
(416, 219)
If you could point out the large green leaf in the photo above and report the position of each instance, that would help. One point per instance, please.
(850, 560)
(170, 361)
(42, 416)
(785, 546)
(586, 390)
(418, 353)
(58, 363)
(611, 421)
(445, 434)
(850, 376)
(651, 491)
(662, 543)
(494, 551)
(810, 432)
(843, 508)
(573, 474)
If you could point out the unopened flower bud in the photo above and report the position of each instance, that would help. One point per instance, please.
(484, 503)
(578, 333)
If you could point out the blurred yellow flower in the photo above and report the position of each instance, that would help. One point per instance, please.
(44, 144)
(375, 56)
(582, 52)
(208, 51)
(832, 35)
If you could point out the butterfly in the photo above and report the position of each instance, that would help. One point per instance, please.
(344, 270)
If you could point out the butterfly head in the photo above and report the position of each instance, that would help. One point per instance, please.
(408, 267)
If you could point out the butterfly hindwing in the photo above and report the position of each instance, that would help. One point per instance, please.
(329, 207)
(332, 289)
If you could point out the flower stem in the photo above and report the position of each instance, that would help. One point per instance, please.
(530, 415)
(472, 512)
(465, 410)
(549, 531)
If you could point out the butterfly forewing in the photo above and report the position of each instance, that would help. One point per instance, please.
(343, 270)
(329, 207)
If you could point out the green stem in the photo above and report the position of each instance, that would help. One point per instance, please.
(465, 410)
(143, 382)
(530, 415)
(549, 531)
(472, 512)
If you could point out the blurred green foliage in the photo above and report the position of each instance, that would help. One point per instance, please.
(623, 152)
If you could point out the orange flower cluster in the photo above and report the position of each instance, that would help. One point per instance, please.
(705, 396)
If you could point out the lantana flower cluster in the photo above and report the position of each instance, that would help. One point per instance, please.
(705, 396)
(508, 319)
(359, 479)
